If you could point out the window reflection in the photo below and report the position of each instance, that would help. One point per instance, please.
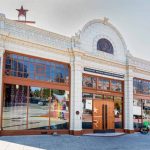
(137, 118)
(116, 86)
(141, 86)
(103, 84)
(43, 109)
(89, 81)
(14, 107)
(146, 112)
(98, 96)
(59, 109)
(38, 117)
(118, 112)
(141, 112)
(36, 69)
(108, 97)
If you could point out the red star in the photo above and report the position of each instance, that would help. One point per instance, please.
(22, 12)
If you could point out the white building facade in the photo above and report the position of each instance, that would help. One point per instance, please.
(86, 83)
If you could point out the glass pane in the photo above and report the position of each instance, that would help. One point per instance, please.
(62, 77)
(67, 75)
(108, 97)
(58, 75)
(31, 75)
(8, 61)
(118, 112)
(14, 65)
(137, 118)
(146, 113)
(59, 110)
(116, 86)
(15, 107)
(47, 72)
(89, 82)
(37, 69)
(103, 84)
(32, 67)
(87, 111)
(26, 67)
(38, 116)
(20, 66)
(98, 96)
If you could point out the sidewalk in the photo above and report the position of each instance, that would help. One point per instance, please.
(135, 141)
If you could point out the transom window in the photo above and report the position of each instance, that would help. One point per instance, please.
(105, 46)
(141, 86)
(36, 69)
(100, 83)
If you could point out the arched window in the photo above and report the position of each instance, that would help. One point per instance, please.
(105, 46)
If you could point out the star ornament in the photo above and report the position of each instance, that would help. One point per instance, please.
(22, 12)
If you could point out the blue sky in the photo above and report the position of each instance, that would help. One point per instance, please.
(130, 17)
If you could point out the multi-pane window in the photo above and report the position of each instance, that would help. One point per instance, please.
(141, 112)
(141, 86)
(102, 83)
(35, 108)
(36, 69)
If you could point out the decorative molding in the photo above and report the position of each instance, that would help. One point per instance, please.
(35, 35)
(108, 24)
(138, 64)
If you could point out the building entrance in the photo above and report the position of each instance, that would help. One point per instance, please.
(103, 115)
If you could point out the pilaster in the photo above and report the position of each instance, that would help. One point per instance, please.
(128, 100)
(76, 96)
(1, 82)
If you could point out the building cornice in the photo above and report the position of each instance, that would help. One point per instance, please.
(138, 63)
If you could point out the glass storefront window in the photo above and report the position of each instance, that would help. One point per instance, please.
(14, 107)
(141, 112)
(36, 69)
(59, 109)
(118, 112)
(43, 109)
(89, 82)
(137, 118)
(38, 111)
(87, 111)
(146, 111)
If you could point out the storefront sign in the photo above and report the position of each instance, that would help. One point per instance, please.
(103, 73)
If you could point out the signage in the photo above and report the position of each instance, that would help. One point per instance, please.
(103, 73)
(88, 104)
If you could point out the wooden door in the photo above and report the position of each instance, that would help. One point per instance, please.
(110, 114)
(103, 115)
(97, 115)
